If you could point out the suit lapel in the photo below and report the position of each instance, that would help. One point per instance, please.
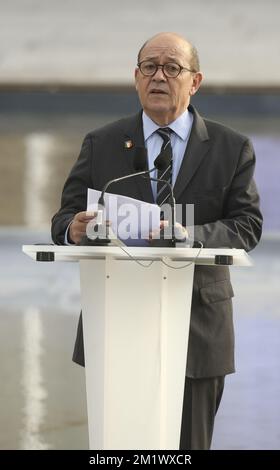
(198, 146)
(133, 137)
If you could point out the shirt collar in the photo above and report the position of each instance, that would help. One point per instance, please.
(181, 126)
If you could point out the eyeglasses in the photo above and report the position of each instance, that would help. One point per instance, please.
(170, 69)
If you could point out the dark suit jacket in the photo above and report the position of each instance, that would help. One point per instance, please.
(217, 176)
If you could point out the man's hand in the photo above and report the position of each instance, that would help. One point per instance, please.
(181, 233)
(77, 228)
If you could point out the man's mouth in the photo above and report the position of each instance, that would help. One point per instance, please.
(156, 91)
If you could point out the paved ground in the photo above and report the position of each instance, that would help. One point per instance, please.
(42, 402)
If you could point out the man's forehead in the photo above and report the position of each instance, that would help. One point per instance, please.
(171, 51)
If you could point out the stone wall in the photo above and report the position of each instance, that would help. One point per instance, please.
(88, 42)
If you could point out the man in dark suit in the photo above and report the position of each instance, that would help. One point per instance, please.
(213, 169)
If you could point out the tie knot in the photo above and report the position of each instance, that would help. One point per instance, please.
(164, 133)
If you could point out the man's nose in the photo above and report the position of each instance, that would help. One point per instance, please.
(159, 75)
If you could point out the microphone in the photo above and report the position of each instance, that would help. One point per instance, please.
(162, 161)
(139, 164)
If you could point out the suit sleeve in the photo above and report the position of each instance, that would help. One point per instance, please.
(241, 224)
(74, 194)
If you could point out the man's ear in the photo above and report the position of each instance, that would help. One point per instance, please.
(136, 71)
(196, 82)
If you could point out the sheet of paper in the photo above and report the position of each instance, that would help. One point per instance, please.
(132, 219)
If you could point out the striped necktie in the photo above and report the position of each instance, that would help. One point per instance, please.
(163, 191)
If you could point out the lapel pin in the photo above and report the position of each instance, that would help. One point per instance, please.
(128, 144)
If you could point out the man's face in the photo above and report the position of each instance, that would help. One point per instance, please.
(164, 99)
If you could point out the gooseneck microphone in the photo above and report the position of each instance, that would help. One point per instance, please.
(140, 160)
(93, 231)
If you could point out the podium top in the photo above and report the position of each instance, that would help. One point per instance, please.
(206, 256)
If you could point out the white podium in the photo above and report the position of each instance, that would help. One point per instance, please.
(136, 328)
